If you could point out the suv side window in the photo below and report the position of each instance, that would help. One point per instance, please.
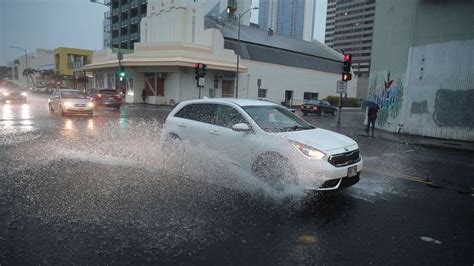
(228, 116)
(202, 112)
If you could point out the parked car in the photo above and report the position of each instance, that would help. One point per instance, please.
(267, 139)
(68, 101)
(106, 98)
(319, 107)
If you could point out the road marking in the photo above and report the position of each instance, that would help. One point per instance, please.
(402, 176)
(308, 239)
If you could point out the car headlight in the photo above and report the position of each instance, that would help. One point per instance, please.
(23, 94)
(91, 104)
(67, 104)
(6, 93)
(308, 151)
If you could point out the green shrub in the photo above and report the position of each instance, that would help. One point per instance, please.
(346, 102)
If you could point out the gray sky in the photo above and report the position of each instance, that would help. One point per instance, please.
(49, 24)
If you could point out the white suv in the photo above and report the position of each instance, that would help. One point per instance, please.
(267, 139)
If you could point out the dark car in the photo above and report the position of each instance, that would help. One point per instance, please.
(318, 107)
(105, 98)
(13, 94)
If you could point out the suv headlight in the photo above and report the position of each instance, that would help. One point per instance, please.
(308, 150)
(23, 94)
(68, 104)
(6, 93)
(91, 104)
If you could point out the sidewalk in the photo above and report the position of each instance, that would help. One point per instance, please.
(422, 141)
(352, 125)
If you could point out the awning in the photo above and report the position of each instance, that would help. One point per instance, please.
(166, 61)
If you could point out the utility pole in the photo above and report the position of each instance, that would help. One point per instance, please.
(238, 47)
(26, 60)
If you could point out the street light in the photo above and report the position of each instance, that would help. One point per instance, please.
(95, 1)
(238, 46)
(26, 59)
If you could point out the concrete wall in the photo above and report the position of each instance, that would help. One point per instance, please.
(422, 67)
(440, 93)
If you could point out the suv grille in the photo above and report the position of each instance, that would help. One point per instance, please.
(344, 159)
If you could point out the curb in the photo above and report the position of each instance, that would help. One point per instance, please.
(421, 144)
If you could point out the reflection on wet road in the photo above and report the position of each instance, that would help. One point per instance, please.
(100, 190)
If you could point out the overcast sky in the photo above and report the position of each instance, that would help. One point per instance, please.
(49, 24)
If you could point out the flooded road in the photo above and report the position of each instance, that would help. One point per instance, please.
(100, 190)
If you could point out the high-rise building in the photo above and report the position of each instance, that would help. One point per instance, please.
(349, 28)
(292, 18)
(125, 17)
(107, 30)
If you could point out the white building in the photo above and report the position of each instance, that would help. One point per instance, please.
(42, 59)
(176, 34)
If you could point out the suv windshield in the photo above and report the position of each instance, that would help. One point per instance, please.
(276, 119)
(72, 95)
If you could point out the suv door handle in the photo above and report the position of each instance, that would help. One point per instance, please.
(214, 132)
(182, 124)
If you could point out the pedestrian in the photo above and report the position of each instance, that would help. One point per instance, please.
(371, 117)
(144, 95)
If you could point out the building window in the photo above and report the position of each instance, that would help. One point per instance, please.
(262, 93)
(310, 96)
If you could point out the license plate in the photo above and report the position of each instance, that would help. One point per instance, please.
(352, 171)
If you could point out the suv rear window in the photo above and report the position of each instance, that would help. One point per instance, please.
(107, 92)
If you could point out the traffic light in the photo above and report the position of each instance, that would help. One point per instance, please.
(197, 71)
(121, 74)
(203, 70)
(346, 70)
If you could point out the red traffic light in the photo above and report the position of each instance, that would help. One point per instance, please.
(347, 57)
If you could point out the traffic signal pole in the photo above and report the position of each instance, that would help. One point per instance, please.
(346, 76)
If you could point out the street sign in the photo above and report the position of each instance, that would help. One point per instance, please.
(341, 86)
(201, 82)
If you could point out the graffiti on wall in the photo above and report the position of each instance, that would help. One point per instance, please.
(419, 108)
(388, 94)
(454, 108)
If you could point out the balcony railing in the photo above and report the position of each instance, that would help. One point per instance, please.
(124, 38)
(125, 8)
(115, 40)
(107, 15)
(115, 11)
(124, 23)
(107, 2)
(115, 26)
(134, 36)
(134, 3)
(134, 20)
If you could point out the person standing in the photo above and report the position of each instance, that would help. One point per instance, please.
(144, 95)
(371, 118)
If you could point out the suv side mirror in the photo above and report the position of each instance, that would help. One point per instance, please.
(241, 127)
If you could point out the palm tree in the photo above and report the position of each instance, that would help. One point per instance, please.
(29, 73)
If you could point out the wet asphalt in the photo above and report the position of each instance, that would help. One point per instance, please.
(91, 190)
